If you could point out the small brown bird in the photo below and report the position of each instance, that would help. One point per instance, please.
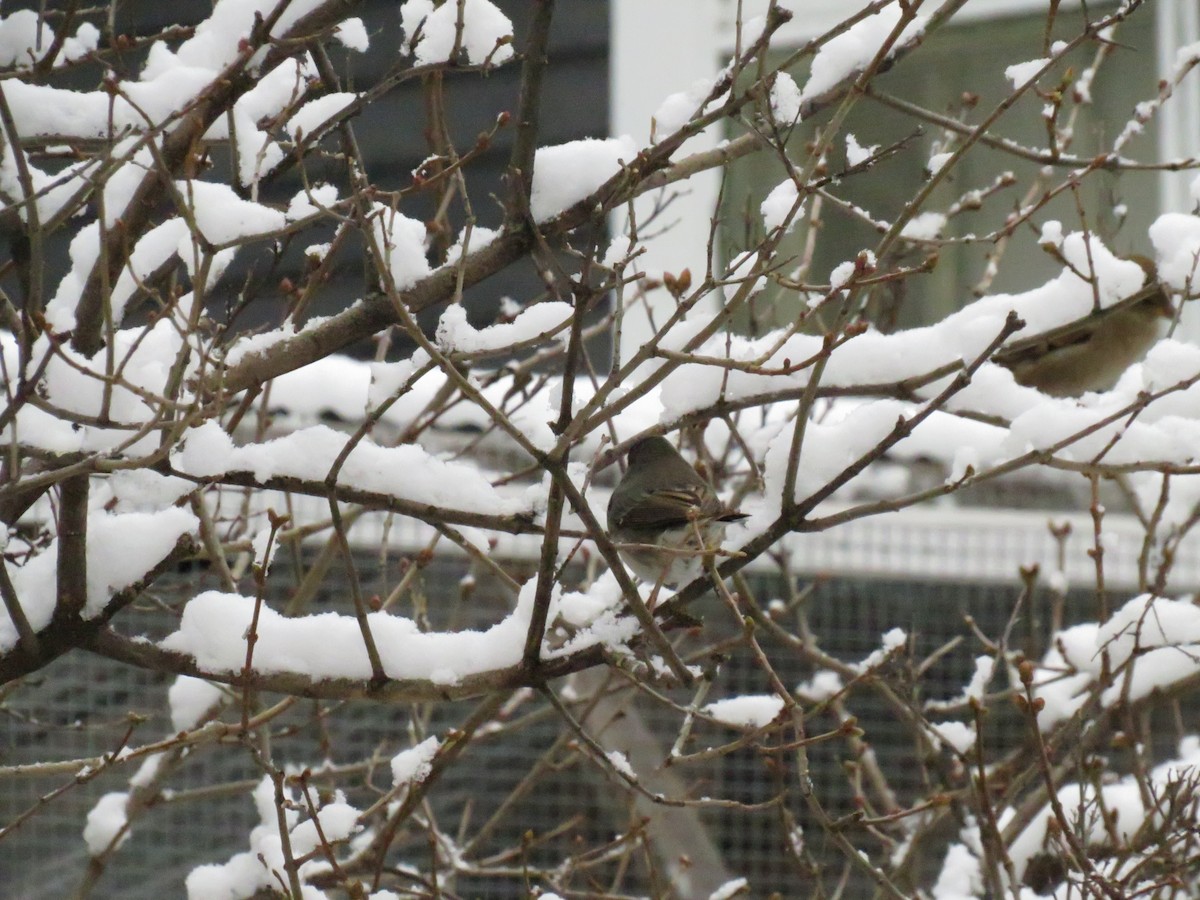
(664, 516)
(1092, 353)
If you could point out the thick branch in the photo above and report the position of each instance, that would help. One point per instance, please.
(520, 164)
(516, 523)
(72, 547)
(149, 656)
(64, 634)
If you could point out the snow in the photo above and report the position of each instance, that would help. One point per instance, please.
(1057, 581)
(750, 711)
(121, 549)
(1163, 631)
(730, 889)
(1166, 431)
(873, 358)
(620, 762)
(824, 685)
(83, 250)
(828, 448)
(1052, 233)
(213, 44)
(25, 38)
(537, 322)
(843, 272)
(740, 272)
(191, 700)
(276, 91)
(852, 50)
(484, 26)
(105, 821)
(159, 246)
(1122, 805)
(388, 380)
(86, 40)
(263, 547)
(406, 472)
(984, 668)
(146, 357)
(252, 344)
(1020, 74)
(1152, 643)
(598, 614)
(479, 238)
(926, 226)
(338, 820)
(147, 772)
(680, 108)
(565, 174)
(401, 242)
(1158, 638)
(137, 490)
(223, 217)
(62, 114)
(155, 248)
(894, 639)
(352, 34)
(263, 865)
(960, 877)
(778, 208)
(958, 736)
(311, 118)
(309, 202)
(338, 386)
(1065, 673)
(214, 626)
(53, 192)
(531, 417)
(1176, 240)
(937, 162)
(785, 100)
(412, 766)
(856, 154)
(235, 879)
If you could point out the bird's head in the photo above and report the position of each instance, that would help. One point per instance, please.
(651, 449)
(1158, 302)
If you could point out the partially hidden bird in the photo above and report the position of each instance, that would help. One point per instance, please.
(663, 516)
(1092, 353)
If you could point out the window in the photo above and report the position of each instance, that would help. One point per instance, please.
(960, 73)
(987, 36)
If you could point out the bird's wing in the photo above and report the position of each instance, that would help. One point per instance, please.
(1077, 332)
(663, 508)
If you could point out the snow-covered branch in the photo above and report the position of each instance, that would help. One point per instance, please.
(271, 426)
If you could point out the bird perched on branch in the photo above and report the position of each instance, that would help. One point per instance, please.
(1092, 353)
(664, 516)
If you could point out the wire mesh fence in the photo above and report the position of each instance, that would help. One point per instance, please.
(84, 705)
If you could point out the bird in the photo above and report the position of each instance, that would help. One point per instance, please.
(1092, 353)
(663, 516)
